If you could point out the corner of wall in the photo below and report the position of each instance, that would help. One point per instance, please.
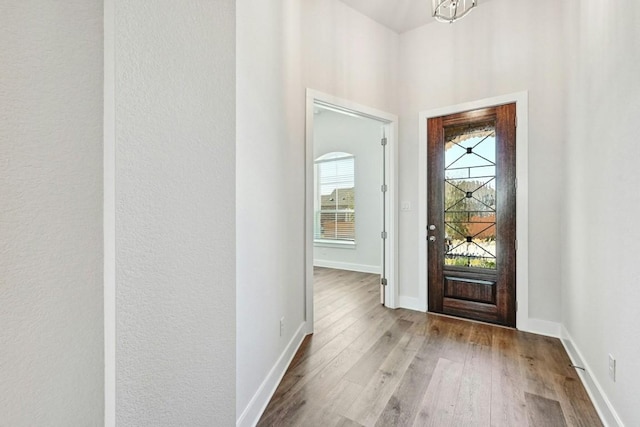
(603, 405)
(541, 327)
(258, 403)
(412, 303)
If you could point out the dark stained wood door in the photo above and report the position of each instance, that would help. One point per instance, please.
(471, 185)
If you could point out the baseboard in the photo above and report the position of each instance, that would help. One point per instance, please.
(603, 405)
(362, 268)
(541, 327)
(412, 303)
(535, 326)
(251, 414)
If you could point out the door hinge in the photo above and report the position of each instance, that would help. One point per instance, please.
(384, 188)
(516, 305)
(515, 183)
(383, 281)
(383, 234)
(516, 121)
(383, 141)
(516, 245)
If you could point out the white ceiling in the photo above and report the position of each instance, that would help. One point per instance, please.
(398, 15)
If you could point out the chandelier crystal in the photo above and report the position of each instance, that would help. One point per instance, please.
(451, 10)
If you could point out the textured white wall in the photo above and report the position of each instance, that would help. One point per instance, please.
(360, 137)
(51, 339)
(600, 222)
(175, 212)
(502, 47)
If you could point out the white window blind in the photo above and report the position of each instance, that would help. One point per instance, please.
(335, 198)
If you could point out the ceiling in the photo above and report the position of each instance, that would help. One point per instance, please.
(398, 15)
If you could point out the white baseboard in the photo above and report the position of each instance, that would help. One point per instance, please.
(363, 268)
(603, 405)
(541, 327)
(252, 413)
(412, 303)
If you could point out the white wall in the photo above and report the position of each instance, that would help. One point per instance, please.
(51, 339)
(502, 47)
(270, 186)
(361, 137)
(348, 55)
(600, 222)
(283, 48)
(174, 127)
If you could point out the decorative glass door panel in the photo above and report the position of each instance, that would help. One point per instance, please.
(470, 196)
(471, 214)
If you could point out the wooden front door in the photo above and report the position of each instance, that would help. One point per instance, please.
(471, 214)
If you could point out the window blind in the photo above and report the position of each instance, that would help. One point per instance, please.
(335, 207)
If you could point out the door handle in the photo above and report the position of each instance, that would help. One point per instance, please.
(432, 238)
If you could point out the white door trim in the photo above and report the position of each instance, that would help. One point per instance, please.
(522, 196)
(390, 122)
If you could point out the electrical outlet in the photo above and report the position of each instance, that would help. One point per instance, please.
(612, 368)
(281, 325)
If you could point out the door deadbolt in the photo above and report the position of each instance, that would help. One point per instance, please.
(432, 227)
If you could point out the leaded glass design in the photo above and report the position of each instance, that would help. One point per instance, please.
(470, 196)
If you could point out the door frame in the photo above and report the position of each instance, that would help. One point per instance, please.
(522, 196)
(390, 123)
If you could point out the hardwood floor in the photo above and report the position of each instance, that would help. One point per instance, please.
(366, 365)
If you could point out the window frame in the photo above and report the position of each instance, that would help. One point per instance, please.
(332, 156)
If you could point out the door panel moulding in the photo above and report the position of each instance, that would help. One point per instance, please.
(389, 123)
(522, 198)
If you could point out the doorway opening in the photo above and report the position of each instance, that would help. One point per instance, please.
(350, 222)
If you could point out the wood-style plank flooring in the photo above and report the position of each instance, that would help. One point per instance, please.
(366, 365)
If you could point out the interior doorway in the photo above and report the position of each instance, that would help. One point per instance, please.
(350, 218)
(348, 208)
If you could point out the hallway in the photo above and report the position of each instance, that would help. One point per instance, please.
(367, 365)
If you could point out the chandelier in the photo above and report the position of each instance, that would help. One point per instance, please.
(451, 10)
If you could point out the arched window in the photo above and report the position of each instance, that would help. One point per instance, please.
(335, 215)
